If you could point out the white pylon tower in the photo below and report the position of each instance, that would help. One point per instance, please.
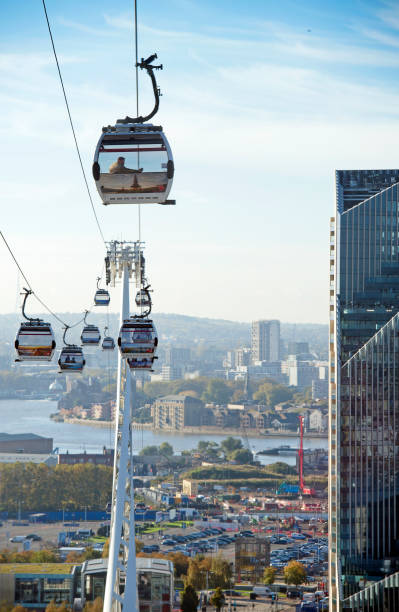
(123, 260)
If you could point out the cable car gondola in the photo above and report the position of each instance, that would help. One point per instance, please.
(108, 342)
(90, 333)
(35, 338)
(71, 358)
(101, 297)
(143, 298)
(133, 162)
(138, 339)
(143, 363)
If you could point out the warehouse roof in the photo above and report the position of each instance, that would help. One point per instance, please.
(46, 458)
(6, 437)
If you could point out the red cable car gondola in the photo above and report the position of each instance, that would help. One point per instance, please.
(35, 338)
(138, 339)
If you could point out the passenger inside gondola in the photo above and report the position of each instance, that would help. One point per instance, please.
(119, 167)
(140, 363)
(146, 162)
(142, 336)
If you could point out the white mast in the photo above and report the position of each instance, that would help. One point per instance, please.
(124, 257)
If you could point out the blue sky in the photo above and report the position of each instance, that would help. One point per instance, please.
(262, 101)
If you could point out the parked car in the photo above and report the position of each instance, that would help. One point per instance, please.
(261, 590)
(294, 594)
(34, 537)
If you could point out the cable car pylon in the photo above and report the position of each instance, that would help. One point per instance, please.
(122, 259)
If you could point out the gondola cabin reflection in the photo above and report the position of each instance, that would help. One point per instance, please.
(71, 359)
(35, 341)
(133, 164)
(138, 339)
(102, 297)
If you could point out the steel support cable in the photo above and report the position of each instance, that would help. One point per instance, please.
(30, 287)
(136, 50)
(71, 123)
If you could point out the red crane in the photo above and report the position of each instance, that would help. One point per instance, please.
(302, 487)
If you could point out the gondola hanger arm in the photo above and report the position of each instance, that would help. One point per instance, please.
(27, 292)
(146, 64)
(64, 336)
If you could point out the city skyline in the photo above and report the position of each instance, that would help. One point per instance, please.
(289, 91)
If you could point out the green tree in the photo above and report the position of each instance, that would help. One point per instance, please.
(272, 394)
(196, 576)
(64, 607)
(221, 572)
(230, 444)
(294, 573)
(149, 450)
(189, 599)
(105, 553)
(166, 449)
(217, 391)
(94, 606)
(279, 467)
(139, 545)
(269, 575)
(238, 396)
(180, 563)
(217, 599)
(303, 397)
(242, 456)
(208, 448)
(5, 607)
(98, 605)
(43, 487)
(45, 556)
(90, 553)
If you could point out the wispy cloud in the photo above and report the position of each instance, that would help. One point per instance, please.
(82, 27)
(390, 14)
(380, 37)
(121, 22)
(271, 39)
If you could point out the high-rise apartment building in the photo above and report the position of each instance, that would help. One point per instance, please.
(364, 393)
(265, 340)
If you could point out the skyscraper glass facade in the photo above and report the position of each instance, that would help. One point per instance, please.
(364, 385)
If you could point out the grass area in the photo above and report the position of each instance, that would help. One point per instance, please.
(150, 530)
(97, 539)
(178, 524)
(168, 525)
(36, 568)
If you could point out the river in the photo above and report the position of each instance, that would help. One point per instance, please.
(33, 416)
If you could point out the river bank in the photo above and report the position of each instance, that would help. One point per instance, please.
(253, 433)
(33, 416)
(96, 423)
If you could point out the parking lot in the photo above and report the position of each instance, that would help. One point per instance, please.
(48, 532)
(190, 541)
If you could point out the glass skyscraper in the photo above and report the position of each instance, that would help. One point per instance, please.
(364, 392)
